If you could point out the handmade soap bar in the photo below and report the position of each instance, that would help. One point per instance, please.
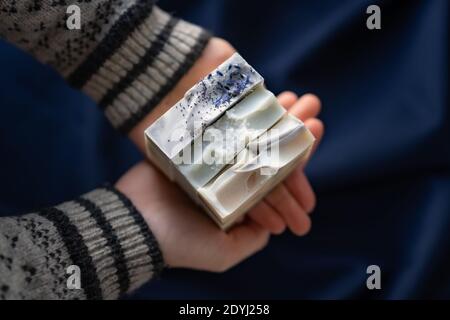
(228, 142)
(203, 104)
(243, 184)
(222, 140)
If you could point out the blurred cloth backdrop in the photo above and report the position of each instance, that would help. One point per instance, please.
(381, 173)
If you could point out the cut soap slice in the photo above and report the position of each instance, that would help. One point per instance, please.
(240, 186)
(247, 120)
(203, 104)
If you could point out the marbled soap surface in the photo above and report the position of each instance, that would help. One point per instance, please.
(227, 176)
(226, 137)
(203, 104)
(239, 183)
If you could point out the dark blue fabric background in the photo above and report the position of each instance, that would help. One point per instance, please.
(382, 173)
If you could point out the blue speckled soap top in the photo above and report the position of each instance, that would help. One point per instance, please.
(203, 104)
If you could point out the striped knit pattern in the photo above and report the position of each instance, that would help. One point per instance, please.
(101, 233)
(127, 56)
(147, 65)
(39, 27)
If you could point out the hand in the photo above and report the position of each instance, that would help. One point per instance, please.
(187, 237)
(291, 202)
(288, 204)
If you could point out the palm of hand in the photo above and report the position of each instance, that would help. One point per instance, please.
(187, 237)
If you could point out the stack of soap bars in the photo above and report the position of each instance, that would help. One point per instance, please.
(228, 141)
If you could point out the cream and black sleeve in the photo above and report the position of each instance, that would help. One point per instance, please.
(126, 55)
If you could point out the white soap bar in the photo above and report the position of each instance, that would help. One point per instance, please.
(204, 103)
(241, 185)
(228, 142)
(225, 138)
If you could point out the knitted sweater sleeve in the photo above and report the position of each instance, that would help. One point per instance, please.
(98, 241)
(126, 55)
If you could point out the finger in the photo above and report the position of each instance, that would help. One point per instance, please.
(244, 240)
(289, 209)
(287, 99)
(299, 186)
(315, 126)
(267, 217)
(297, 181)
(308, 106)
